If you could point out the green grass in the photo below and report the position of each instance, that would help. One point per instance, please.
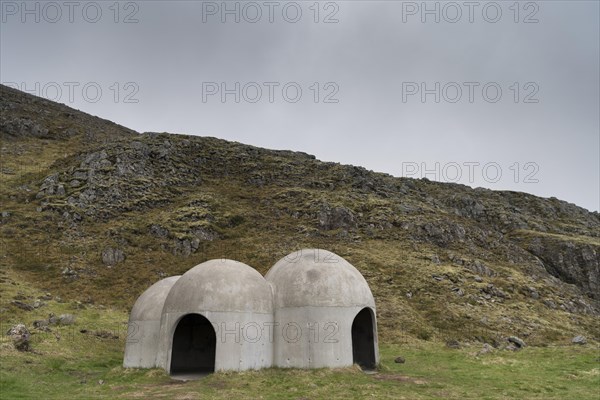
(66, 363)
(74, 369)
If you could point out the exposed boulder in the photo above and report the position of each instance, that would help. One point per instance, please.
(22, 127)
(443, 234)
(41, 324)
(20, 336)
(570, 261)
(480, 269)
(493, 291)
(335, 218)
(66, 319)
(579, 340)
(112, 256)
(466, 206)
(69, 272)
(38, 303)
(204, 234)
(47, 296)
(158, 231)
(485, 349)
(519, 343)
(182, 247)
(21, 305)
(49, 186)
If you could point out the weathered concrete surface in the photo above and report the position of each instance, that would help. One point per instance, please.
(314, 337)
(220, 285)
(303, 315)
(237, 301)
(319, 294)
(319, 278)
(242, 339)
(144, 325)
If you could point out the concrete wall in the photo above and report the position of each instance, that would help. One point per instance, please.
(141, 344)
(315, 337)
(243, 339)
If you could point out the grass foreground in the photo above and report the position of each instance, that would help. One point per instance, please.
(88, 367)
(71, 362)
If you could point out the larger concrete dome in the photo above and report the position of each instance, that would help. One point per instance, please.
(220, 285)
(318, 278)
(216, 317)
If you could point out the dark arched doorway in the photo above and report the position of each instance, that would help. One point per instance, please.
(363, 339)
(194, 344)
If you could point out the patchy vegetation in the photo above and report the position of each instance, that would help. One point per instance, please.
(94, 213)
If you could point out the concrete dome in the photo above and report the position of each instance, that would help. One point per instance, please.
(220, 286)
(217, 317)
(318, 278)
(143, 330)
(149, 305)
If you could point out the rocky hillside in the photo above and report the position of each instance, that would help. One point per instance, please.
(94, 213)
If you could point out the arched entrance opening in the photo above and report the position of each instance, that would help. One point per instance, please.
(363, 339)
(194, 344)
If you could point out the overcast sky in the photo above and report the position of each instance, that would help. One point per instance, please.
(502, 95)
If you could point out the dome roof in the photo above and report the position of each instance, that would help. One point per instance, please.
(150, 303)
(315, 277)
(220, 285)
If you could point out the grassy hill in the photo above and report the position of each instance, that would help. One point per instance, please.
(93, 213)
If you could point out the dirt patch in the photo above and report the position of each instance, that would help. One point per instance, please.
(399, 378)
(170, 382)
(175, 382)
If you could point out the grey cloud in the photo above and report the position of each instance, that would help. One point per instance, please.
(369, 54)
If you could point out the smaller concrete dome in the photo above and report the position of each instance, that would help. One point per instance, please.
(318, 278)
(149, 305)
(220, 285)
(143, 330)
